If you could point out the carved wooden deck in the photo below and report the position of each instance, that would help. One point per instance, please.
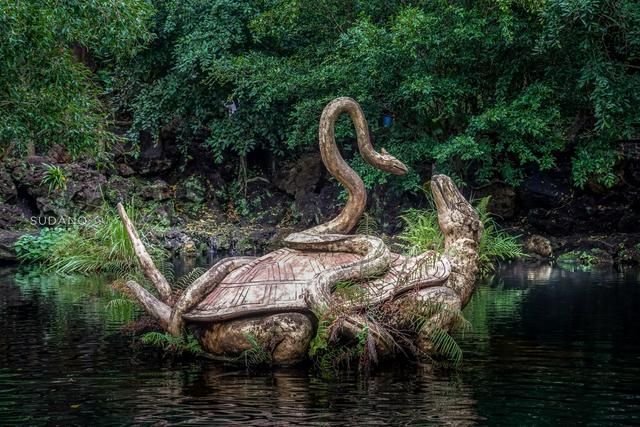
(278, 282)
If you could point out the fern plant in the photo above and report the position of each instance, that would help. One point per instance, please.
(256, 355)
(421, 315)
(368, 225)
(176, 345)
(186, 280)
(121, 308)
(422, 233)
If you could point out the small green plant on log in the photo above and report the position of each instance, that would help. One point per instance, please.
(256, 355)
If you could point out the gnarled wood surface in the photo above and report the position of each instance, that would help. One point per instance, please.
(243, 295)
(283, 281)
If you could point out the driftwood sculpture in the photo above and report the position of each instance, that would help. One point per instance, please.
(273, 298)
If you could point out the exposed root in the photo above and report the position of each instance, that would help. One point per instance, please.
(167, 311)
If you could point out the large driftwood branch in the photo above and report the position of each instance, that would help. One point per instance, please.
(156, 308)
(148, 267)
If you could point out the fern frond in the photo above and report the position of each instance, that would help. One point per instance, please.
(256, 355)
(368, 225)
(188, 278)
(445, 345)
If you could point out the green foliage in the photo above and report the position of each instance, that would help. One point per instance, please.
(186, 280)
(38, 248)
(368, 225)
(495, 245)
(121, 308)
(320, 341)
(485, 89)
(583, 260)
(445, 347)
(422, 233)
(54, 178)
(256, 355)
(99, 245)
(184, 344)
(49, 96)
(397, 324)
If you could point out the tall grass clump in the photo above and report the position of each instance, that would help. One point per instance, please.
(99, 245)
(422, 233)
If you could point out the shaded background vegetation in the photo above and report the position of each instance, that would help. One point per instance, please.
(484, 90)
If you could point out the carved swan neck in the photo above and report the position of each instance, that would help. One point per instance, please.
(338, 167)
(335, 164)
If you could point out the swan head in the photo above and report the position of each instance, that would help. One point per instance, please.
(388, 163)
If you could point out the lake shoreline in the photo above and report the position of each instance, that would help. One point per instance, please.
(202, 210)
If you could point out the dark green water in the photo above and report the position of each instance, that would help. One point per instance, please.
(549, 347)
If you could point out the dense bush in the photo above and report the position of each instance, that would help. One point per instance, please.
(48, 94)
(97, 245)
(484, 89)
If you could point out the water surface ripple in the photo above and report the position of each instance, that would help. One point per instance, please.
(549, 347)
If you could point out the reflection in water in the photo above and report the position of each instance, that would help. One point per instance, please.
(548, 347)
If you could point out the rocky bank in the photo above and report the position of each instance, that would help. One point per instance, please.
(202, 208)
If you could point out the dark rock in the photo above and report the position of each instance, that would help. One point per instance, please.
(8, 190)
(119, 189)
(153, 167)
(179, 243)
(629, 223)
(125, 170)
(192, 190)
(157, 156)
(164, 214)
(11, 217)
(538, 245)
(259, 239)
(7, 240)
(85, 188)
(503, 202)
(39, 160)
(51, 206)
(550, 222)
(544, 191)
(60, 154)
(301, 176)
(315, 208)
(159, 190)
(28, 179)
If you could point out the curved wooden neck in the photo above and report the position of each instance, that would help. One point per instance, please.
(336, 165)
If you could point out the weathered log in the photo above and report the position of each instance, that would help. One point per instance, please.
(148, 267)
(152, 305)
